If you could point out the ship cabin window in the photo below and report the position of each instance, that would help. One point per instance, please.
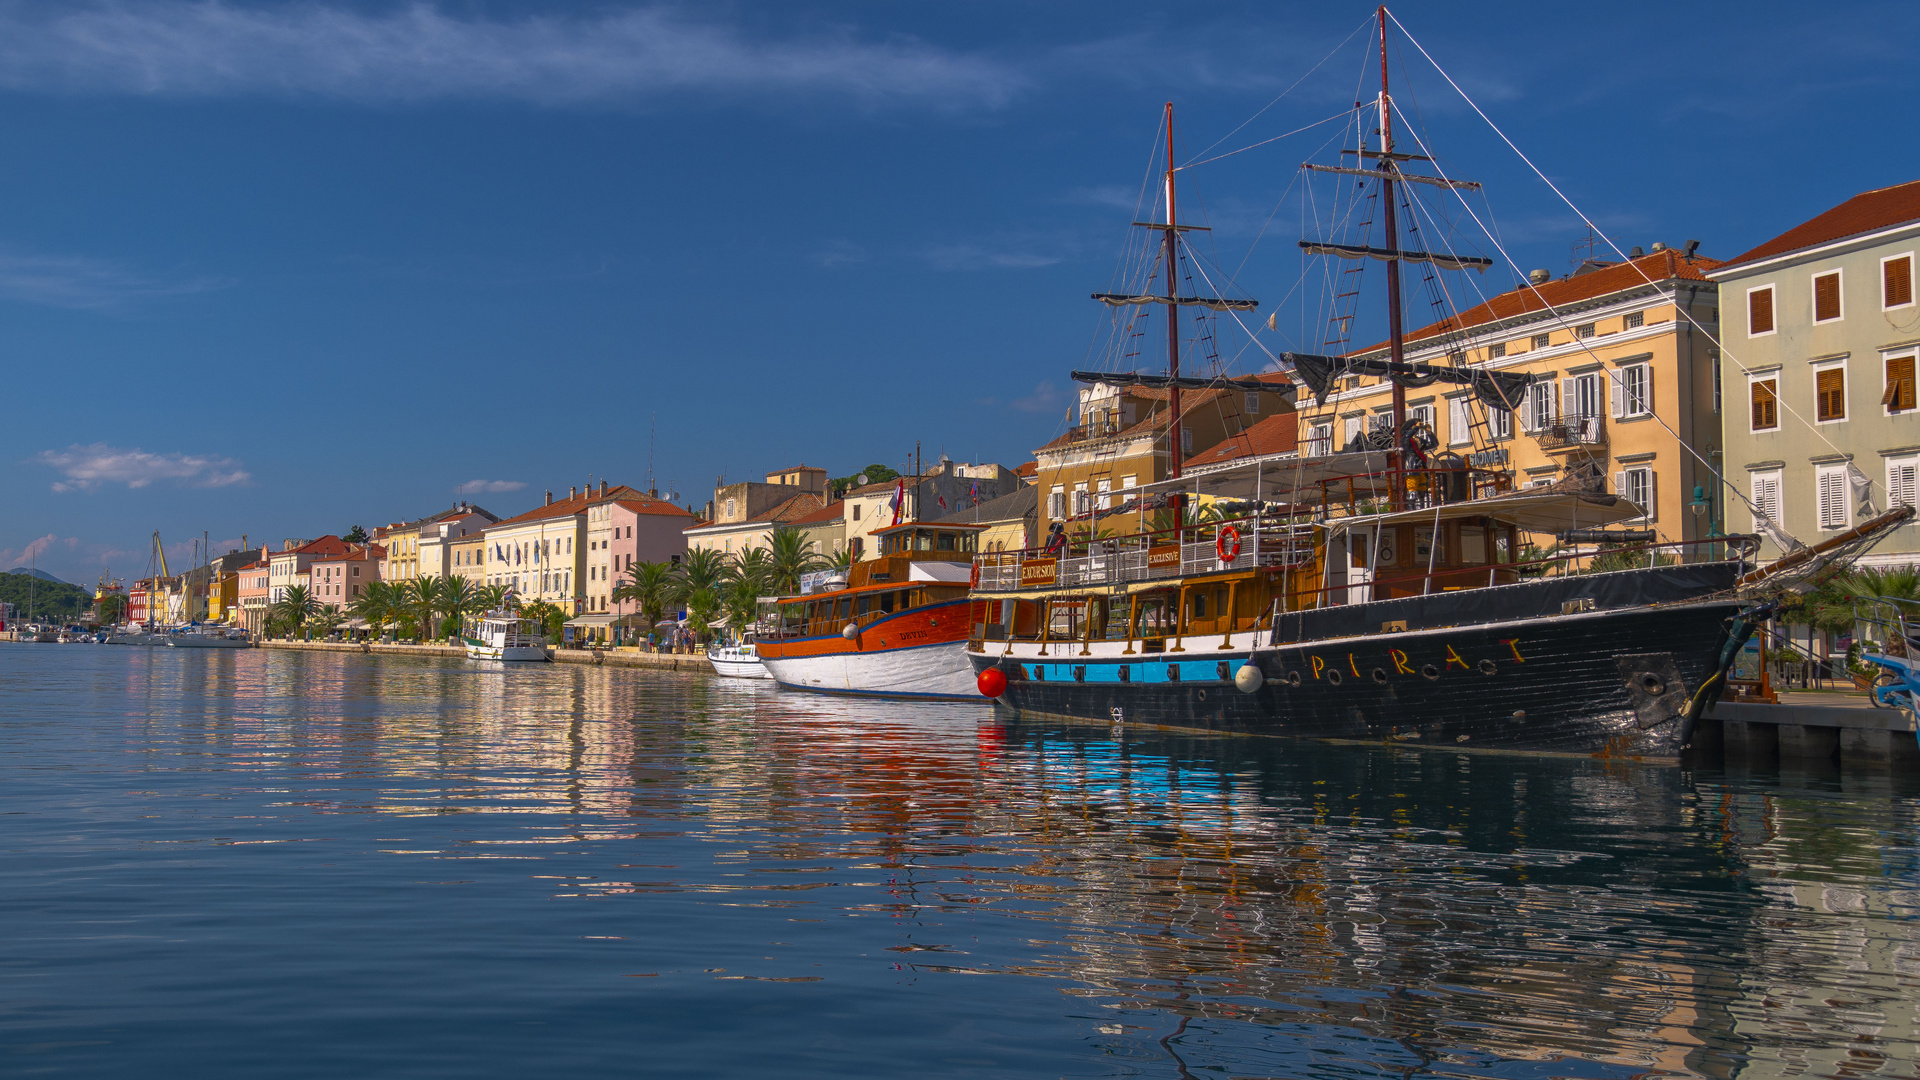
(945, 542)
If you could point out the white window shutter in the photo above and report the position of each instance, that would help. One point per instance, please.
(1901, 483)
(1526, 410)
(1617, 388)
(1646, 389)
(1620, 484)
(1569, 398)
(1652, 506)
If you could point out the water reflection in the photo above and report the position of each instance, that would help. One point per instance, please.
(1165, 905)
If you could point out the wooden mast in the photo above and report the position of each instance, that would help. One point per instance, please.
(1396, 336)
(1173, 312)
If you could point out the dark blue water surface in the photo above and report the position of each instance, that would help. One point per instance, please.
(328, 865)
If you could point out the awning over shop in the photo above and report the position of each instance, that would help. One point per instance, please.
(591, 620)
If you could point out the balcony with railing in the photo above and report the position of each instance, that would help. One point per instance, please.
(1571, 431)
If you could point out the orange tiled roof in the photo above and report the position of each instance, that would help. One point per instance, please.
(1869, 211)
(833, 511)
(326, 545)
(1276, 434)
(1028, 470)
(1660, 266)
(648, 505)
(576, 505)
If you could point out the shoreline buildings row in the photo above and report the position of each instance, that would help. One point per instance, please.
(1660, 378)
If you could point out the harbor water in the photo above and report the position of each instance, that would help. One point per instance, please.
(287, 864)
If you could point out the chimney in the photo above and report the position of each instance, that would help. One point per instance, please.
(570, 491)
(549, 498)
(603, 488)
(653, 493)
(1539, 277)
(1659, 245)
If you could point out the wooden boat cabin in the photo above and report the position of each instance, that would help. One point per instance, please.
(918, 565)
(1308, 535)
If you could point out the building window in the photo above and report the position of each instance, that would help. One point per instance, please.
(1832, 492)
(856, 511)
(1584, 330)
(1540, 341)
(1320, 440)
(1766, 497)
(729, 509)
(1421, 414)
(1129, 482)
(1459, 421)
(1253, 401)
(1636, 485)
(1765, 396)
(1826, 297)
(1899, 395)
(1537, 410)
(1081, 501)
(1351, 430)
(1634, 320)
(1633, 391)
(1901, 477)
(1760, 311)
(1105, 499)
(1830, 394)
(1499, 422)
(1057, 502)
(1186, 441)
(1496, 350)
(1896, 281)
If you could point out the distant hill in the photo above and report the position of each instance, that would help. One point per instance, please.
(44, 598)
(41, 574)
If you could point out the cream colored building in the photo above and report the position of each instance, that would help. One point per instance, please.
(1624, 399)
(542, 554)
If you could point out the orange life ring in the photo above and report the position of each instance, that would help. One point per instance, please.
(1227, 544)
(973, 578)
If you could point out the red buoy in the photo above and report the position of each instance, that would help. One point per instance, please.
(993, 682)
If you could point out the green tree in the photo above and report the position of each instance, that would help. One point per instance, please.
(875, 474)
(789, 554)
(840, 560)
(355, 535)
(294, 607)
(490, 598)
(326, 619)
(110, 608)
(378, 605)
(550, 618)
(650, 585)
(423, 598)
(697, 584)
(456, 600)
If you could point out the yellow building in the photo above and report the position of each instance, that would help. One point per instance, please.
(1624, 399)
(1120, 443)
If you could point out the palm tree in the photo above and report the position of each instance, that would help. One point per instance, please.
(457, 599)
(748, 577)
(697, 585)
(377, 605)
(650, 585)
(294, 607)
(490, 598)
(423, 597)
(840, 560)
(789, 554)
(550, 618)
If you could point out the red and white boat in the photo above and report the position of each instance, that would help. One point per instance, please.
(898, 628)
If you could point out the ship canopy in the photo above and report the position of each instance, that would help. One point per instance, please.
(1184, 382)
(1499, 389)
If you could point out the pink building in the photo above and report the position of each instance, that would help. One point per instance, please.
(621, 532)
(254, 594)
(338, 580)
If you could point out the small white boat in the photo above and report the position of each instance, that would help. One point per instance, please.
(129, 634)
(737, 661)
(505, 637)
(210, 637)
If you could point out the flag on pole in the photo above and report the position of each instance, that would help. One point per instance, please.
(899, 499)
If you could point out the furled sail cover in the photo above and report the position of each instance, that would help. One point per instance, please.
(1362, 251)
(1212, 302)
(1501, 389)
(1184, 382)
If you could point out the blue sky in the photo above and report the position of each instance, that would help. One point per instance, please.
(277, 269)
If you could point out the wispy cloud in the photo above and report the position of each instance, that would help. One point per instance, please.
(981, 257)
(177, 48)
(841, 252)
(485, 487)
(85, 468)
(73, 281)
(1044, 399)
(33, 550)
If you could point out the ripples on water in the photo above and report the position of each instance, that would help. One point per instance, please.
(269, 863)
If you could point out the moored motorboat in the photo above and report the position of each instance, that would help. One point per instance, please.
(741, 661)
(897, 628)
(209, 637)
(506, 637)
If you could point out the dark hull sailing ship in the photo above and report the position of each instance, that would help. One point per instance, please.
(1381, 593)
